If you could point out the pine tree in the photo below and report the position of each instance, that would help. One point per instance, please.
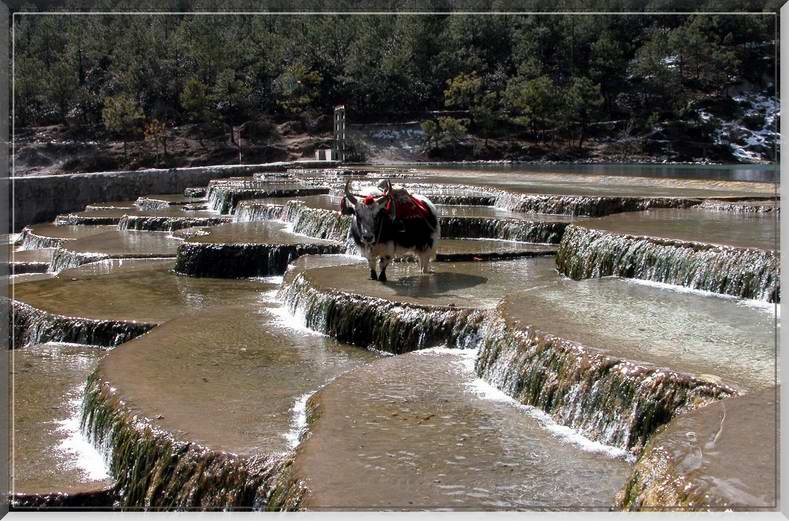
(121, 116)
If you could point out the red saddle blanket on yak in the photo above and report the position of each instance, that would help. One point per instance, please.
(406, 206)
(402, 205)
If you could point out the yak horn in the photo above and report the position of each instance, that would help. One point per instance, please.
(348, 193)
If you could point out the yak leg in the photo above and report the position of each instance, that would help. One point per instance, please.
(371, 263)
(424, 260)
(383, 262)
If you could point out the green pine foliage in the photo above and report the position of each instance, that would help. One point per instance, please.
(121, 116)
(532, 74)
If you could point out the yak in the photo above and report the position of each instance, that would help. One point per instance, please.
(388, 225)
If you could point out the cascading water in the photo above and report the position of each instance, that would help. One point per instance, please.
(217, 199)
(615, 401)
(592, 206)
(504, 229)
(223, 198)
(153, 470)
(585, 205)
(744, 207)
(316, 222)
(743, 272)
(252, 211)
(30, 241)
(447, 194)
(86, 219)
(366, 321)
(242, 260)
(165, 224)
(63, 259)
(322, 223)
(32, 326)
(608, 398)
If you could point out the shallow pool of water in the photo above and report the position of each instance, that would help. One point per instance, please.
(228, 377)
(749, 173)
(745, 230)
(50, 454)
(142, 290)
(680, 329)
(68, 232)
(462, 284)
(125, 244)
(420, 431)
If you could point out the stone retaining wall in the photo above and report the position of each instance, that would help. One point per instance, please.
(41, 198)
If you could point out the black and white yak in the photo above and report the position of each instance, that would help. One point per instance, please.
(388, 225)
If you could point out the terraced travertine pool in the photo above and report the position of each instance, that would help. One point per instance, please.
(749, 230)
(228, 350)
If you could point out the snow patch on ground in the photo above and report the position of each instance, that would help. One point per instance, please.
(745, 143)
(393, 142)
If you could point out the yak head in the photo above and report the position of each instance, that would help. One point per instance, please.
(370, 212)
